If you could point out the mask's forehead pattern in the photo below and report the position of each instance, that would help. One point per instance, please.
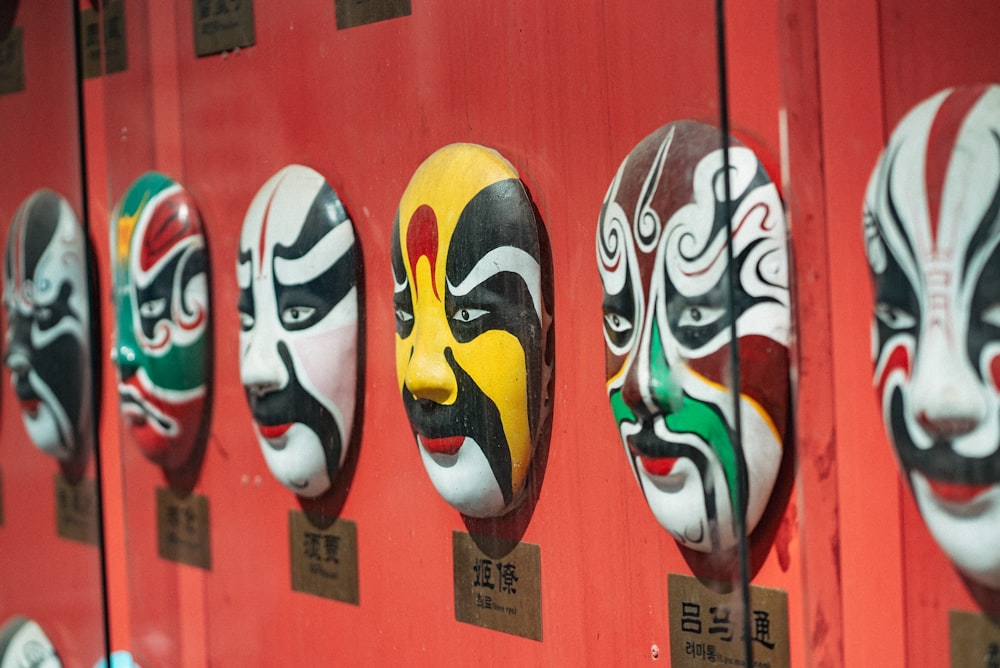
(431, 205)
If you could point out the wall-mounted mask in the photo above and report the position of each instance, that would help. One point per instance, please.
(47, 298)
(471, 326)
(932, 233)
(160, 291)
(298, 276)
(661, 251)
(24, 643)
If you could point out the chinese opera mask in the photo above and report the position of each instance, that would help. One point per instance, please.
(662, 256)
(47, 298)
(298, 276)
(160, 291)
(24, 643)
(470, 326)
(932, 236)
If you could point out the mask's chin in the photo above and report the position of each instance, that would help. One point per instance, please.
(678, 504)
(465, 480)
(42, 425)
(965, 529)
(300, 464)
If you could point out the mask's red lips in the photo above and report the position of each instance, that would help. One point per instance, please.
(658, 466)
(956, 492)
(442, 446)
(274, 431)
(30, 406)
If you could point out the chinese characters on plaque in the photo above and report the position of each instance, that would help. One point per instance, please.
(324, 556)
(497, 591)
(706, 627)
(89, 41)
(975, 639)
(352, 13)
(222, 25)
(12, 61)
(76, 509)
(115, 43)
(182, 527)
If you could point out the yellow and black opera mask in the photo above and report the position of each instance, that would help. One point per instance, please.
(471, 325)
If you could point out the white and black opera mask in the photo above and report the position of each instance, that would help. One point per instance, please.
(471, 326)
(662, 256)
(23, 643)
(46, 294)
(298, 277)
(932, 236)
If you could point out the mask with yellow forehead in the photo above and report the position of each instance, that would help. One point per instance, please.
(471, 324)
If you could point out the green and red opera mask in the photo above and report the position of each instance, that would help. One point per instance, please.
(161, 298)
(662, 255)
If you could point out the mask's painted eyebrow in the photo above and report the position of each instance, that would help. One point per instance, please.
(506, 259)
(244, 269)
(983, 242)
(317, 260)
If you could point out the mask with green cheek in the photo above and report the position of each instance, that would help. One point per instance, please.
(161, 311)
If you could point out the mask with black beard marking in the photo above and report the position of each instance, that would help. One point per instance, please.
(48, 324)
(298, 275)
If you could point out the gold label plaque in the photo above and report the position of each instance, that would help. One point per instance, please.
(221, 25)
(975, 640)
(324, 554)
(12, 62)
(76, 509)
(500, 593)
(182, 527)
(90, 43)
(351, 13)
(115, 44)
(706, 628)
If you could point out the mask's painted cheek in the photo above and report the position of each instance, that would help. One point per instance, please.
(496, 363)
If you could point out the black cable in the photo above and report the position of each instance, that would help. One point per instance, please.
(739, 512)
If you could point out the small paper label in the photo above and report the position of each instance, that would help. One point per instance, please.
(975, 640)
(706, 627)
(12, 62)
(90, 43)
(324, 553)
(351, 13)
(115, 43)
(76, 509)
(222, 25)
(501, 590)
(182, 524)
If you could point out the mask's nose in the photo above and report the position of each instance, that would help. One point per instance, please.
(651, 386)
(946, 395)
(428, 374)
(125, 358)
(262, 370)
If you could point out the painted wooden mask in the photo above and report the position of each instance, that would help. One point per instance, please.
(298, 276)
(932, 231)
(161, 298)
(24, 643)
(471, 325)
(47, 297)
(662, 257)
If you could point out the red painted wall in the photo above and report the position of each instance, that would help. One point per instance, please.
(564, 92)
(53, 580)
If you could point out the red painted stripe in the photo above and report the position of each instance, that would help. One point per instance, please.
(263, 228)
(941, 144)
(422, 240)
